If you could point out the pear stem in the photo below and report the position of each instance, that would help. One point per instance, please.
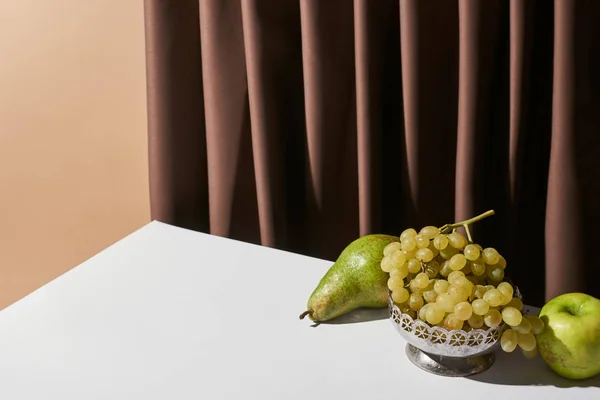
(305, 313)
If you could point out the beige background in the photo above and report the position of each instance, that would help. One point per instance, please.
(73, 170)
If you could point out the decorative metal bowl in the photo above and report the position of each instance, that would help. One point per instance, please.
(443, 352)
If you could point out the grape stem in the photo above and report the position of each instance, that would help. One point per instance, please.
(468, 234)
(446, 228)
(305, 313)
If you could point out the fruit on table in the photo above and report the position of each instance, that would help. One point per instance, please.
(570, 340)
(448, 280)
(355, 280)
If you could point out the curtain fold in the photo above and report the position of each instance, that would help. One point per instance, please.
(329, 88)
(177, 142)
(303, 124)
(430, 64)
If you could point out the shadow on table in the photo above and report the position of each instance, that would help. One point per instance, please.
(357, 316)
(514, 369)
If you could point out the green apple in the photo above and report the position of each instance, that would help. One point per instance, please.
(570, 342)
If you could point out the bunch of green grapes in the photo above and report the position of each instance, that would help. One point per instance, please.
(446, 280)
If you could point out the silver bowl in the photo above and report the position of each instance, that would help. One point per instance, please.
(453, 353)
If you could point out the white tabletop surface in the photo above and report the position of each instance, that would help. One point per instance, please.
(167, 313)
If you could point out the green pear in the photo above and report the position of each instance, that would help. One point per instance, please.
(354, 280)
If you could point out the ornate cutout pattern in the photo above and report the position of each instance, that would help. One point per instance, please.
(439, 341)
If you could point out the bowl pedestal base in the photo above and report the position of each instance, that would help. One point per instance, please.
(450, 366)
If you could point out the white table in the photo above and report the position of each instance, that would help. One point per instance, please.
(167, 313)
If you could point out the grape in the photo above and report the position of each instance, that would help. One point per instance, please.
(457, 240)
(492, 318)
(531, 353)
(414, 288)
(480, 307)
(432, 269)
(429, 232)
(476, 321)
(398, 258)
(445, 271)
(408, 244)
(501, 262)
(408, 233)
(451, 322)
(490, 256)
(435, 314)
(448, 252)
(395, 282)
(409, 254)
(458, 293)
(457, 262)
(470, 289)
(464, 282)
(463, 311)
(505, 300)
(479, 291)
(429, 285)
(474, 280)
(472, 294)
(421, 280)
(526, 341)
(493, 297)
(390, 248)
(401, 272)
(422, 241)
(524, 326)
(415, 301)
(441, 286)
(506, 289)
(516, 303)
(446, 302)
(434, 251)
(488, 269)
(423, 312)
(478, 267)
(496, 274)
(537, 325)
(467, 268)
(512, 316)
(424, 255)
(386, 264)
(440, 242)
(400, 295)
(414, 266)
(490, 287)
(471, 252)
(454, 275)
(508, 341)
(405, 309)
(429, 296)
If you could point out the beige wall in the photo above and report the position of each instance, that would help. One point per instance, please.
(73, 172)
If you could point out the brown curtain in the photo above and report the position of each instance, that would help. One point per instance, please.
(302, 124)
